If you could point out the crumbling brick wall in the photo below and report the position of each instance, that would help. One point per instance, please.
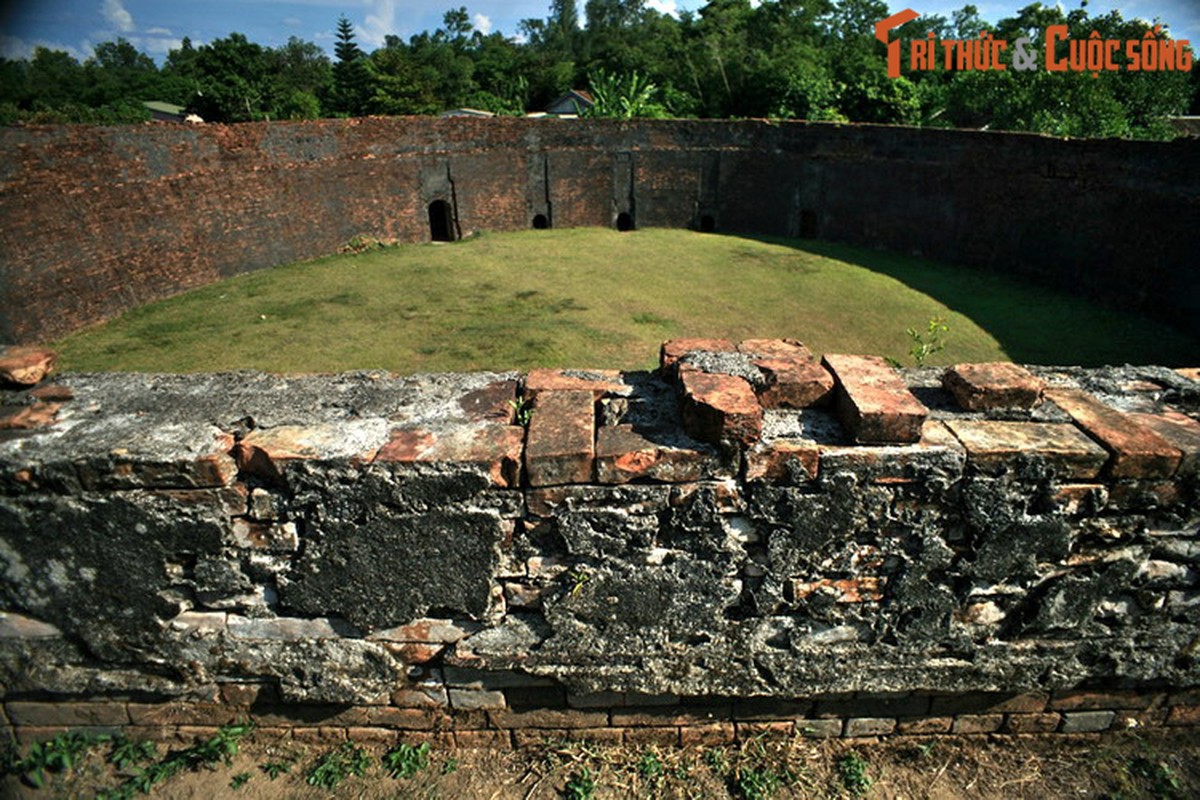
(748, 539)
(100, 220)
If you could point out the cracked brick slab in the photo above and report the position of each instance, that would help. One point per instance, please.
(993, 445)
(792, 375)
(720, 409)
(561, 445)
(673, 350)
(979, 387)
(26, 366)
(624, 455)
(492, 448)
(873, 401)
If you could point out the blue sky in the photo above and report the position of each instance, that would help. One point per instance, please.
(156, 26)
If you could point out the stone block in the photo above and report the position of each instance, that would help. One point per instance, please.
(564, 719)
(26, 365)
(989, 702)
(819, 728)
(869, 726)
(979, 387)
(1080, 498)
(675, 349)
(1087, 721)
(977, 723)
(770, 730)
(720, 409)
(66, 714)
(792, 375)
(1046, 722)
(182, 713)
(266, 536)
(428, 631)
(866, 589)
(937, 453)
(1137, 451)
(669, 716)
(493, 403)
(475, 699)
(284, 628)
(31, 417)
(624, 455)
(1084, 700)
(921, 726)
(643, 737)
(597, 700)
(1184, 715)
(421, 697)
(19, 626)
(483, 740)
(561, 441)
(873, 401)
(707, 735)
(994, 445)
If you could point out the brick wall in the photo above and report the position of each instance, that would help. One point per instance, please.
(749, 539)
(98, 220)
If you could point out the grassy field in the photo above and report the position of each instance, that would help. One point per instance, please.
(597, 298)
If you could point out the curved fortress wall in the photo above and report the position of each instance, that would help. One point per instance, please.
(99, 220)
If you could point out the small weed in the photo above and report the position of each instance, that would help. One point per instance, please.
(239, 780)
(650, 766)
(221, 747)
(581, 785)
(757, 783)
(404, 760)
(274, 769)
(450, 766)
(852, 770)
(717, 762)
(362, 244)
(647, 318)
(523, 411)
(578, 578)
(127, 753)
(334, 767)
(927, 342)
(59, 754)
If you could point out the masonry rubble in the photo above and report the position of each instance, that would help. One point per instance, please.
(750, 538)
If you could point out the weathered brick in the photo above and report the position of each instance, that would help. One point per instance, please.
(819, 728)
(710, 734)
(867, 589)
(480, 740)
(246, 694)
(561, 442)
(26, 365)
(285, 628)
(426, 630)
(597, 700)
(421, 697)
(720, 409)
(1143, 495)
(408, 719)
(599, 382)
(770, 708)
(773, 730)
(938, 452)
(470, 699)
(1184, 715)
(992, 446)
(663, 737)
(264, 450)
(793, 377)
(919, 726)
(495, 449)
(491, 403)
(1137, 451)
(978, 387)
(989, 702)
(1045, 722)
(869, 726)
(548, 718)
(1080, 498)
(977, 723)
(675, 349)
(624, 455)
(330, 735)
(669, 716)
(53, 393)
(873, 401)
(1084, 700)
(1181, 432)
(1086, 721)
(182, 713)
(31, 417)
(68, 714)
(18, 626)
(779, 460)
(361, 734)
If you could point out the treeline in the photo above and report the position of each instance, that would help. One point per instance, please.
(811, 59)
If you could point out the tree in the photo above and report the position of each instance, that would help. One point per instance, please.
(352, 88)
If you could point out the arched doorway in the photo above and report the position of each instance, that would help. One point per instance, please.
(441, 222)
(541, 222)
(707, 224)
(624, 221)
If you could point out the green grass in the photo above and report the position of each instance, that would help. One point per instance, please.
(597, 298)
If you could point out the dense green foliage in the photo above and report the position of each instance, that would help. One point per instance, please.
(811, 59)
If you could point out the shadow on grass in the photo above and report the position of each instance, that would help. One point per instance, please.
(1034, 324)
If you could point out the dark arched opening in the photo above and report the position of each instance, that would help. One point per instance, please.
(708, 224)
(541, 222)
(441, 222)
(808, 224)
(624, 221)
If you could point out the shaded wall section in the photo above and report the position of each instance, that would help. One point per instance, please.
(100, 220)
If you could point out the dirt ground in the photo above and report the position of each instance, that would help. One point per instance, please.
(1147, 764)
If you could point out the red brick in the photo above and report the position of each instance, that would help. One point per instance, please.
(937, 452)
(675, 349)
(1191, 373)
(182, 713)
(561, 444)
(548, 718)
(1046, 722)
(53, 393)
(992, 446)
(622, 455)
(599, 382)
(491, 447)
(847, 590)
(491, 403)
(669, 716)
(793, 378)
(1137, 495)
(978, 387)
(27, 365)
(869, 726)
(1082, 700)
(1181, 431)
(783, 459)
(490, 740)
(990, 702)
(365, 735)
(781, 729)
(38, 415)
(720, 409)
(873, 402)
(1137, 451)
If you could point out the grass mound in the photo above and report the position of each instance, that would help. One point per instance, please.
(598, 298)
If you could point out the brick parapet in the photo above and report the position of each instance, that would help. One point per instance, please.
(412, 558)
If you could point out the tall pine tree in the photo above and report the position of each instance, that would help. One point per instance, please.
(351, 78)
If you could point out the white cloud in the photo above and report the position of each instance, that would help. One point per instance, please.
(664, 6)
(158, 32)
(482, 24)
(116, 15)
(378, 24)
(16, 48)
